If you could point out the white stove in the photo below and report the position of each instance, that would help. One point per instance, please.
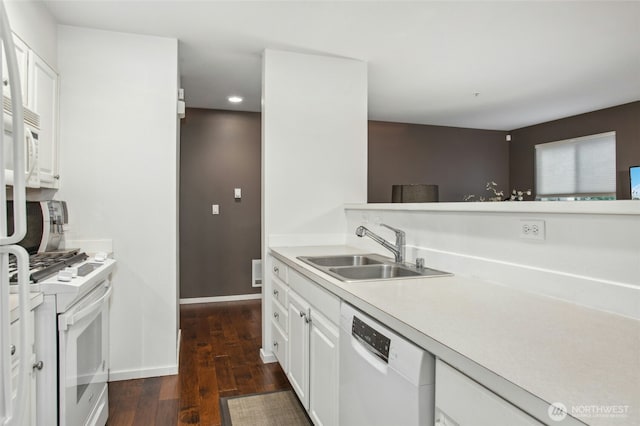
(45, 267)
(72, 337)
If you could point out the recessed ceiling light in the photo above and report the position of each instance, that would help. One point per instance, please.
(234, 99)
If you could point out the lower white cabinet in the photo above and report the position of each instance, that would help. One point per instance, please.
(313, 351)
(460, 401)
(298, 354)
(279, 345)
(279, 304)
(323, 371)
(29, 360)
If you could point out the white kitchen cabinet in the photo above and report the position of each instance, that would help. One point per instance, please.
(298, 354)
(29, 416)
(313, 360)
(323, 371)
(22, 52)
(279, 316)
(460, 401)
(43, 99)
(303, 321)
(313, 348)
(280, 344)
(39, 84)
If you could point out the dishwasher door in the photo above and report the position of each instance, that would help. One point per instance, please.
(384, 379)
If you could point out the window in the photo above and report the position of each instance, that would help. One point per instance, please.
(577, 169)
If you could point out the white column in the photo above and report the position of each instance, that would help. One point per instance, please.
(314, 151)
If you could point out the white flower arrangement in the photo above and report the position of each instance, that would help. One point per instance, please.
(519, 195)
(498, 195)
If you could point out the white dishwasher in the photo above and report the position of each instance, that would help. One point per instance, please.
(384, 379)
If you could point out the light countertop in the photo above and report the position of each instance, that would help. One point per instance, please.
(531, 349)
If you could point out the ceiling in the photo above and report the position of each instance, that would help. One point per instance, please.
(492, 65)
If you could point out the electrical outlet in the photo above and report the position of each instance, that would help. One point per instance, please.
(532, 229)
(215, 209)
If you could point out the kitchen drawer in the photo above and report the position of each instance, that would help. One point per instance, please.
(279, 345)
(469, 403)
(316, 296)
(280, 291)
(280, 270)
(280, 317)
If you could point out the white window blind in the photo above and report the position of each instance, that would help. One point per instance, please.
(577, 167)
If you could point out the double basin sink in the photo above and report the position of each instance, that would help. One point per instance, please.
(368, 267)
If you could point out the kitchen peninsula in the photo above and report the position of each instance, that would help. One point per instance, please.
(537, 322)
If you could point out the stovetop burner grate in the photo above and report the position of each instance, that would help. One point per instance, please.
(43, 265)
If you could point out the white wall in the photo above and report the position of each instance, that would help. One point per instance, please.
(590, 259)
(119, 176)
(34, 24)
(314, 148)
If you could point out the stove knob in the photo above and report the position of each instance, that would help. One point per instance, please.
(65, 276)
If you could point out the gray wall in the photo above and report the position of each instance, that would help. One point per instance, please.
(624, 119)
(219, 151)
(460, 161)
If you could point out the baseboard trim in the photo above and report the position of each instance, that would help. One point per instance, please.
(115, 376)
(192, 300)
(267, 358)
(178, 345)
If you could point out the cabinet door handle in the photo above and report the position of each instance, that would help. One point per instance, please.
(13, 349)
(275, 344)
(276, 269)
(275, 293)
(276, 315)
(38, 365)
(307, 320)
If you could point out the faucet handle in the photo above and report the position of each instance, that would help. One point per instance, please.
(396, 230)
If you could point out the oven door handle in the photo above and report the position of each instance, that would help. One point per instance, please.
(73, 317)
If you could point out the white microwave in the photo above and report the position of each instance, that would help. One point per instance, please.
(31, 135)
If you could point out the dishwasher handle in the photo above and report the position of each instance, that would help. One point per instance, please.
(367, 353)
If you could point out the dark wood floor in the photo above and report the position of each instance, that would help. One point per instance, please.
(219, 356)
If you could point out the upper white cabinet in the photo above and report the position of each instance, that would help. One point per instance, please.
(39, 84)
(43, 99)
(22, 53)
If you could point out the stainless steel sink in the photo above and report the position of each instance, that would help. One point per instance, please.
(347, 260)
(376, 272)
(368, 267)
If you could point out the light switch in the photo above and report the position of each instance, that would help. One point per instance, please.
(215, 209)
(237, 193)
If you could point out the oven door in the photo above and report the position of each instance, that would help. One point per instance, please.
(83, 361)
